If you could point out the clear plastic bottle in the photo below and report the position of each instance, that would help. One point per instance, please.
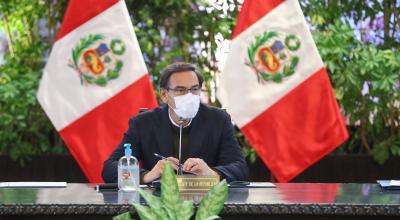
(128, 197)
(128, 171)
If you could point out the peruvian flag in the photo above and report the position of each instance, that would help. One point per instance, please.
(94, 81)
(287, 108)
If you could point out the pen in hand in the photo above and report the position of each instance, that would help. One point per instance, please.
(161, 157)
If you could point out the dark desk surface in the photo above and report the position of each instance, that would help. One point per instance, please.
(334, 199)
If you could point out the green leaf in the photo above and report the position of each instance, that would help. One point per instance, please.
(145, 213)
(154, 202)
(184, 210)
(395, 150)
(169, 187)
(266, 76)
(170, 213)
(313, 19)
(123, 216)
(380, 152)
(250, 56)
(112, 74)
(253, 156)
(101, 81)
(259, 41)
(295, 61)
(83, 44)
(213, 202)
(338, 94)
(277, 77)
(321, 20)
(89, 78)
(118, 65)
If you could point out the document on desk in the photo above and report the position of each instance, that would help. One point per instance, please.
(245, 184)
(33, 184)
(389, 184)
(261, 185)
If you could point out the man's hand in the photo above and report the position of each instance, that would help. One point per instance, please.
(158, 168)
(197, 166)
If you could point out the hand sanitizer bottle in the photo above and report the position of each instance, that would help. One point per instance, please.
(128, 171)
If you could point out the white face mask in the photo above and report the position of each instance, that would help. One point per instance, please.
(187, 106)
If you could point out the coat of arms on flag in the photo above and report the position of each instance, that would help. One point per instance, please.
(95, 59)
(289, 113)
(272, 56)
(95, 80)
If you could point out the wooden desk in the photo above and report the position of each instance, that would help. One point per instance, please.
(286, 201)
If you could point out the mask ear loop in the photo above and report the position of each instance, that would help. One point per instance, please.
(170, 107)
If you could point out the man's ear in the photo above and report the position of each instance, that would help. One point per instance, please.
(163, 95)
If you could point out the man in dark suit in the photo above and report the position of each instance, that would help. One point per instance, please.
(208, 143)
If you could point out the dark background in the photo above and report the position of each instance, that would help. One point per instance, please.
(332, 168)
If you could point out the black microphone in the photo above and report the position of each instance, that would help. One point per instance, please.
(179, 171)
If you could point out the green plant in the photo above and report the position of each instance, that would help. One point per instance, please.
(167, 31)
(383, 16)
(24, 128)
(170, 206)
(189, 31)
(366, 81)
(365, 77)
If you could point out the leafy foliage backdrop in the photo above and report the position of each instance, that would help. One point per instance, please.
(358, 41)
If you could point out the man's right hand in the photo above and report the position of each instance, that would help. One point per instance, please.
(158, 168)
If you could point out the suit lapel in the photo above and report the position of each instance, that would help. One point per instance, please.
(196, 135)
(163, 133)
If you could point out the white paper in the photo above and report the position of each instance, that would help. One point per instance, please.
(261, 185)
(389, 183)
(33, 184)
(394, 182)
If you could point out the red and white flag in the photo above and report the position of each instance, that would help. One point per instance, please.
(277, 90)
(94, 81)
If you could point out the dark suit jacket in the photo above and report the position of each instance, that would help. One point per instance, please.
(211, 138)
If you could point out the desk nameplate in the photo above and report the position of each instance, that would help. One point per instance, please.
(192, 183)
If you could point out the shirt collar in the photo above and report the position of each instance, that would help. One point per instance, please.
(174, 123)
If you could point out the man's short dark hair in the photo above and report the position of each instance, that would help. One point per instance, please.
(167, 72)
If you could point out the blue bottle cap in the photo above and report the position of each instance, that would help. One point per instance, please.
(128, 150)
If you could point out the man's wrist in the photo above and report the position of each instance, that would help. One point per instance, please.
(143, 172)
(215, 172)
(148, 177)
(219, 173)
